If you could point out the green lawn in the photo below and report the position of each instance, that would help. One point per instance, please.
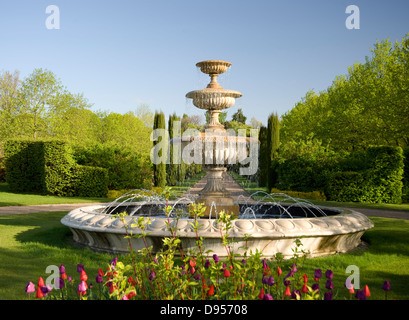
(31, 242)
(8, 198)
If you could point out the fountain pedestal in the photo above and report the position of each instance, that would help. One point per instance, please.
(214, 196)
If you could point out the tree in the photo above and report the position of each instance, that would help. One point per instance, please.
(273, 144)
(38, 90)
(159, 169)
(172, 169)
(239, 116)
(263, 157)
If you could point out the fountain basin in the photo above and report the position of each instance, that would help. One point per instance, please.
(213, 98)
(337, 232)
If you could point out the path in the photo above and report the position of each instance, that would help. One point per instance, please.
(229, 183)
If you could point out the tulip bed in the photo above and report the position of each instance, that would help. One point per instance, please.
(201, 275)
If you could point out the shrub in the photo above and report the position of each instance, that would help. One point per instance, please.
(313, 195)
(89, 181)
(38, 166)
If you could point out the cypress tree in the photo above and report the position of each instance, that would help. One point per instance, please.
(172, 169)
(262, 157)
(273, 143)
(159, 169)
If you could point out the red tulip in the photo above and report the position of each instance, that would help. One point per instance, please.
(83, 276)
(226, 273)
(210, 292)
(41, 282)
(367, 292)
(304, 288)
(287, 291)
(100, 272)
(279, 272)
(305, 278)
(39, 293)
(261, 294)
(63, 276)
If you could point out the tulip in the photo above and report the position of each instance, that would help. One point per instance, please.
(210, 292)
(100, 272)
(386, 286)
(296, 294)
(30, 287)
(192, 262)
(261, 294)
(294, 268)
(39, 293)
(360, 294)
(41, 282)
(243, 262)
(131, 294)
(367, 292)
(83, 276)
(99, 279)
(62, 269)
(152, 275)
(328, 295)
(226, 273)
(305, 278)
(329, 285)
(287, 291)
(207, 264)
(124, 297)
(317, 274)
(270, 281)
(329, 274)
(279, 272)
(113, 262)
(63, 276)
(304, 288)
(80, 267)
(267, 297)
(315, 287)
(82, 287)
(61, 283)
(215, 258)
(264, 280)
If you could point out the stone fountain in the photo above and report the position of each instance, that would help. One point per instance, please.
(269, 225)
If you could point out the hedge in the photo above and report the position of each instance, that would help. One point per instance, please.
(89, 181)
(38, 166)
(371, 176)
(47, 167)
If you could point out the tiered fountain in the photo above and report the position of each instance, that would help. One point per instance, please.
(267, 225)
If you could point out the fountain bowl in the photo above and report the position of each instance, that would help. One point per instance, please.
(337, 231)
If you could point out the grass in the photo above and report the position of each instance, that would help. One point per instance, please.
(8, 198)
(31, 242)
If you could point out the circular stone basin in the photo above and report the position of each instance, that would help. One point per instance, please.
(268, 228)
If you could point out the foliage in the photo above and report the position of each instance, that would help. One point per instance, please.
(313, 195)
(368, 106)
(38, 166)
(126, 168)
(159, 166)
(88, 182)
(273, 144)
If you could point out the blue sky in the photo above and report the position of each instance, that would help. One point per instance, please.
(124, 53)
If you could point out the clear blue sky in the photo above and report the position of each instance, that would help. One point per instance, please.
(124, 53)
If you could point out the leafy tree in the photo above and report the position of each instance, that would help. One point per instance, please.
(172, 168)
(239, 116)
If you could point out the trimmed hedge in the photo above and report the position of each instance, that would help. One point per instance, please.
(38, 166)
(373, 176)
(47, 167)
(89, 181)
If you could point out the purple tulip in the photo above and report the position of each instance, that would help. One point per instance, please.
(264, 280)
(30, 287)
(270, 281)
(62, 269)
(317, 273)
(99, 279)
(243, 262)
(264, 263)
(207, 264)
(113, 262)
(386, 286)
(69, 278)
(197, 276)
(152, 275)
(315, 286)
(328, 295)
(61, 283)
(267, 296)
(360, 294)
(294, 268)
(329, 274)
(215, 258)
(296, 293)
(329, 285)
(80, 267)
